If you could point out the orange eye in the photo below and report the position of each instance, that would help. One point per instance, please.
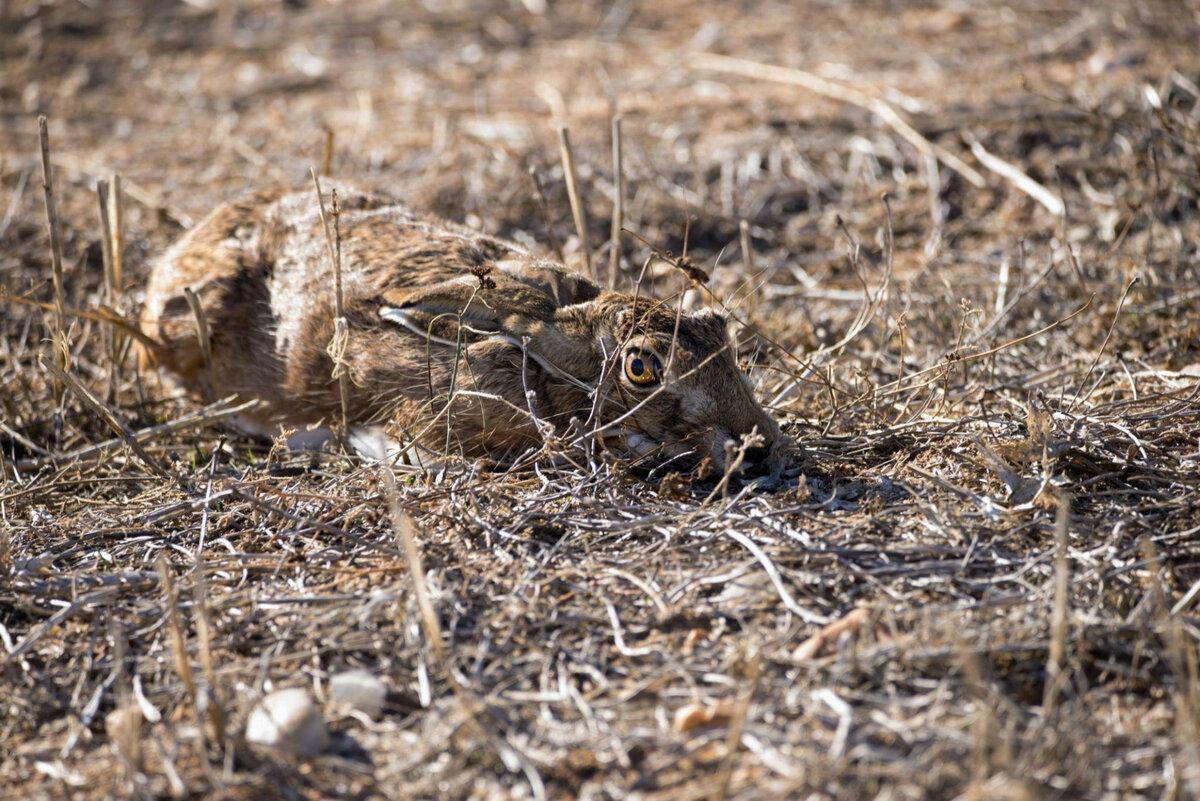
(642, 369)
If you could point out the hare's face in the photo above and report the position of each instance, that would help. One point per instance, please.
(674, 391)
(646, 377)
(642, 374)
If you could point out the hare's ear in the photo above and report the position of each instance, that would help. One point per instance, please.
(442, 328)
(463, 309)
(455, 312)
(708, 314)
(713, 320)
(563, 287)
(489, 297)
(451, 312)
(706, 317)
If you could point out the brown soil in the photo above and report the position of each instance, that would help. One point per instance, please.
(963, 363)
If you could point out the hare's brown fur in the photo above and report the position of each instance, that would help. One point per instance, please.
(437, 312)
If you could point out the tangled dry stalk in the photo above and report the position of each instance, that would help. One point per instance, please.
(984, 586)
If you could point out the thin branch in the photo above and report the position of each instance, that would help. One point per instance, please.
(1012, 174)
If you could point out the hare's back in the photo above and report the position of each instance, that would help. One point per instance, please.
(384, 244)
(261, 270)
(264, 260)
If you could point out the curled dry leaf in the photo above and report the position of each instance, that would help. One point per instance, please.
(698, 715)
(692, 639)
(815, 645)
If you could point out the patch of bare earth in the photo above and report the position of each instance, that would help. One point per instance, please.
(970, 290)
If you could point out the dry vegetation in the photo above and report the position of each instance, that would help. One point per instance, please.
(963, 363)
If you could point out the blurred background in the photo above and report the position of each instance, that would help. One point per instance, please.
(451, 104)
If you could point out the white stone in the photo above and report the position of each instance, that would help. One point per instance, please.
(359, 690)
(288, 720)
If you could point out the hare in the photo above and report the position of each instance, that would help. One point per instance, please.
(456, 341)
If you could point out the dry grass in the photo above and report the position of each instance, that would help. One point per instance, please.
(907, 620)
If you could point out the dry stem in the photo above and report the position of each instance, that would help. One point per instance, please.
(578, 212)
(57, 332)
(618, 214)
(337, 343)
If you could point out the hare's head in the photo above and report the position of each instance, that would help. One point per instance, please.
(647, 377)
(670, 386)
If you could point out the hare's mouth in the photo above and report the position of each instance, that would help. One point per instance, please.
(688, 454)
(712, 454)
(638, 443)
(653, 452)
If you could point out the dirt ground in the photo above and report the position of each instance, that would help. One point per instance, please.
(963, 241)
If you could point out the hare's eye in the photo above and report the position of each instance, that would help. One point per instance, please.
(641, 369)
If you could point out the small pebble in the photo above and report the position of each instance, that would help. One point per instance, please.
(359, 690)
(288, 720)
